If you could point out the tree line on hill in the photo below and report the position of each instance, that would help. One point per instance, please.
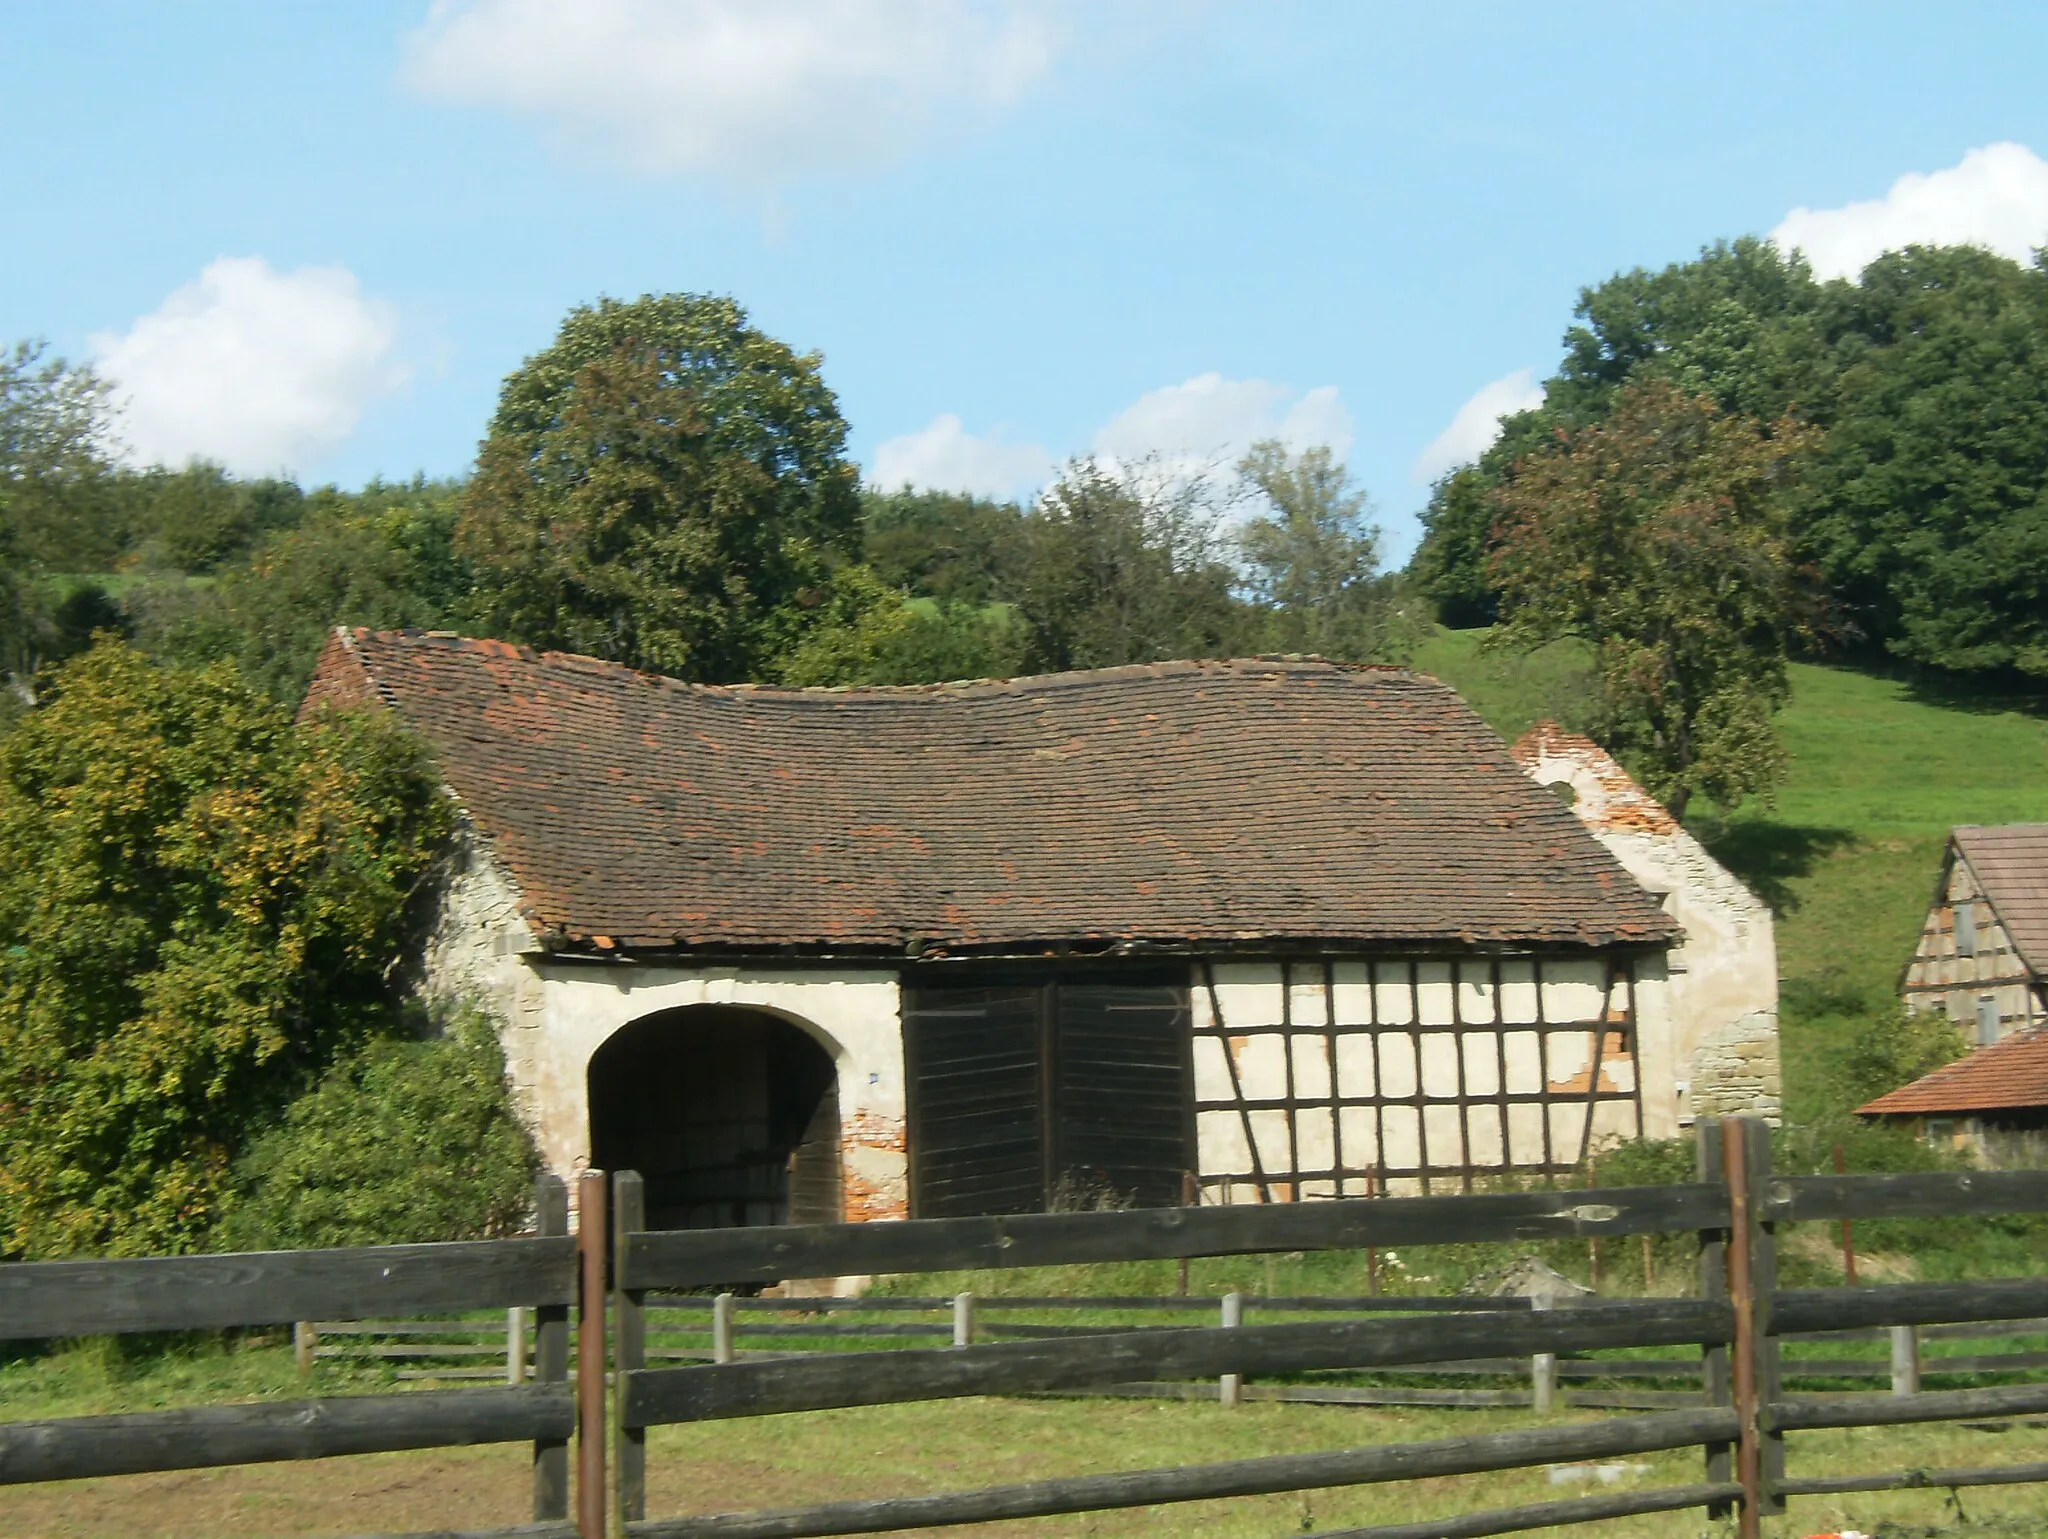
(202, 900)
(1922, 391)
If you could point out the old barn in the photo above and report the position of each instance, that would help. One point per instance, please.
(1257, 930)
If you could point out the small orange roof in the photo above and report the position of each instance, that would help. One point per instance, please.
(2009, 1073)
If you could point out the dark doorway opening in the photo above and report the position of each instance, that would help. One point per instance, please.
(730, 1115)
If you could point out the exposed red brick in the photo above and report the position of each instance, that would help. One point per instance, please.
(1618, 804)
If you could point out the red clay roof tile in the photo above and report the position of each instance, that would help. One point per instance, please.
(2012, 1072)
(1251, 801)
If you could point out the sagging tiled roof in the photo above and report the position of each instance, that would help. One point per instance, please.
(2012, 1072)
(1170, 804)
(2011, 865)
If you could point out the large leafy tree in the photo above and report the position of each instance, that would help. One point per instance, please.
(663, 486)
(1743, 324)
(54, 475)
(1929, 510)
(1122, 566)
(1660, 536)
(1312, 557)
(200, 902)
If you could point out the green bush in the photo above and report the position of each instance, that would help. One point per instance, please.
(401, 1141)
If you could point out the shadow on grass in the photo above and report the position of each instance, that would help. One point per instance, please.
(1768, 857)
(1993, 692)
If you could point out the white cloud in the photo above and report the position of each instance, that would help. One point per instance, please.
(1996, 197)
(1177, 433)
(745, 90)
(1210, 420)
(1477, 424)
(259, 370)
(945, 457)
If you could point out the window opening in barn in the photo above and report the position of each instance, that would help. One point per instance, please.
(1966, 929)
(1987, 1019)
(730, 1115)
(1047, 1093)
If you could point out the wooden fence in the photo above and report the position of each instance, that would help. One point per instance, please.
(540, 1274)
(1737, 1324)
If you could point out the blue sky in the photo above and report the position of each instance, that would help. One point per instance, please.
(316, 237)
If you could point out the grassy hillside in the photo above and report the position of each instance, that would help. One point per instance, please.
(1847, 856)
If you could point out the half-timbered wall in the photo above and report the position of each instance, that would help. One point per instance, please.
(1967, 966)
(1337, 1078)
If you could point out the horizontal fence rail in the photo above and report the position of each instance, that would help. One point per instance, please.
(1944, 1194)
(654, 1396)
(685, 1258)
(190, 1293)
(1814, 1309)
(1562, 1514)
(204, 1436)
(1207, 1482)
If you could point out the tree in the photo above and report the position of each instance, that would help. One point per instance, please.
(663, 486)
(1743, 323)
(1449, 566)
(1122, 568)
(942, 545)
(383, 557)
(1660, 536)
(401, 1141)
(1929, 510)
(1312, 560)
(867, 632)
(53, 471)
(200, 904)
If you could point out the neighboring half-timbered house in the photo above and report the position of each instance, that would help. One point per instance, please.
(1260, 930)
(1983, 952)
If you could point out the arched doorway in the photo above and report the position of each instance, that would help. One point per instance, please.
(730, 1115)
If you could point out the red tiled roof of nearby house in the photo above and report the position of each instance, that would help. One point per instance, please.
(1215, 803)
(2011, 863)
(2011, 1072)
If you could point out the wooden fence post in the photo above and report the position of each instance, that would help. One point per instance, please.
(963, 1319)
(305, 1343)
(1752, 1278)
(629, 1346)
(551, 1362)
(1230, 1388)
(1542, 1374)
(721, 1329)
(1709, 1139)
(515, 1345)
(1905, 1360)
(1763, 1262)
(1848, 1227)
(591, 1246)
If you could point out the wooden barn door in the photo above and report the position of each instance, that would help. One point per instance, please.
(1062, 1092)
(976, 1135)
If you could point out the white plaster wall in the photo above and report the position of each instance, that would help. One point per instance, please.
(1721, 986)
(1290, 1041)
(854, 1013)
(553, 1015)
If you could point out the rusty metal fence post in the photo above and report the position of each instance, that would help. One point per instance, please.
(591, 1227)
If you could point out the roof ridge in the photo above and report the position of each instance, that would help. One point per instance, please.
(1164, 667)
